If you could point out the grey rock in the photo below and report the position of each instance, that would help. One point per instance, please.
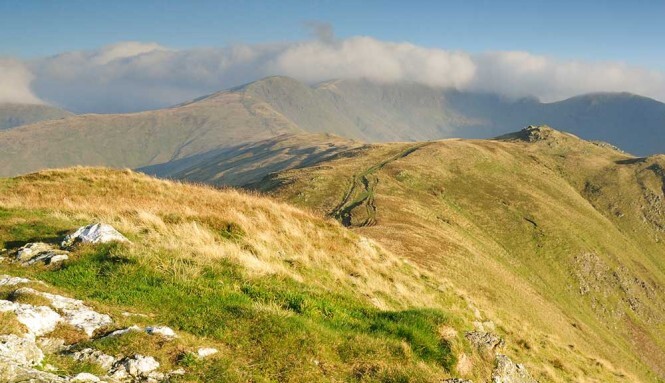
(95, 356)
(94, 233)
(21, 351)
(485, 341)
(506, 371)
(137, 366)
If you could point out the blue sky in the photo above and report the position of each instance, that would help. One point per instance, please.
(626, 31)
(121, 56)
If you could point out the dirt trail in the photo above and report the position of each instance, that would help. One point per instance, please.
(361, 192)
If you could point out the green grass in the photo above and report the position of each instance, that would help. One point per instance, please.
(275, 329)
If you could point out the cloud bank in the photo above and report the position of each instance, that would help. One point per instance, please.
(131, 76)
(15, 81)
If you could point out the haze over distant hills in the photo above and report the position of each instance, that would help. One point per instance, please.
(12, 115)
(354, 109)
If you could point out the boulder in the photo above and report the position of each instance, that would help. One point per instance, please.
(506, 371)
(94, 233)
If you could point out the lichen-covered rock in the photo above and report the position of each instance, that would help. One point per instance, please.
(22, 351)
(31, 250)
(6, 280)
(137, 366)
(94, 233)
(39, 320)
(97, 357)
(485, 341)
(15, 373)
(508, 372)
(74, 312)
(35, 252)
(164, 331)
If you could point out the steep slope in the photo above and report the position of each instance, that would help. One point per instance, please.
(559, 240)
(12, 115)
(249, 163)
(283, 295)
(140, 139)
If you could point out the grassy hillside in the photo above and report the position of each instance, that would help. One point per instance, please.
(13, 115)
(560, 241)
(140, 139)
(249, 163)
(285, 296)
(354, 109)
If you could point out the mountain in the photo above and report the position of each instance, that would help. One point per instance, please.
(219, 286)
(249, 163)
(560, 241)
(12, 115)
(141, 139)
(354, 109)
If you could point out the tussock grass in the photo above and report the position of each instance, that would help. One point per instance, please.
(285, 295)
(507, 223)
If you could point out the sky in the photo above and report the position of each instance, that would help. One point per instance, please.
(95, 56)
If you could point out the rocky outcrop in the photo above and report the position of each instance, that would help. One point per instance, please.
(485, 341)
(506, 371)
(97, 357)
(94, 234)
(136, 367)
(73, 311)
(39, 320)
(35, 252)
(22, 351)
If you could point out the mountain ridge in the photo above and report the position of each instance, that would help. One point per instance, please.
(354, 109)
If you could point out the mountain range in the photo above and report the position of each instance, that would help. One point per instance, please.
(354, 109)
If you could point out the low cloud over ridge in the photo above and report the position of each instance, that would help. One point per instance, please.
(15, 81)
(131, 76)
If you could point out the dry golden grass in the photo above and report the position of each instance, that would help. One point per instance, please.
(505, 223)
(180, 228)
(9, 324)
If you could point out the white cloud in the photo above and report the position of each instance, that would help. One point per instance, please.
(15, 81)
(132, 76)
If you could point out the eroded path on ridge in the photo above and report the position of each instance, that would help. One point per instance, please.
(358, 207)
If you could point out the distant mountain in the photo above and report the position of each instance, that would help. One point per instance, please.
(13, 115)
(355, 109)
